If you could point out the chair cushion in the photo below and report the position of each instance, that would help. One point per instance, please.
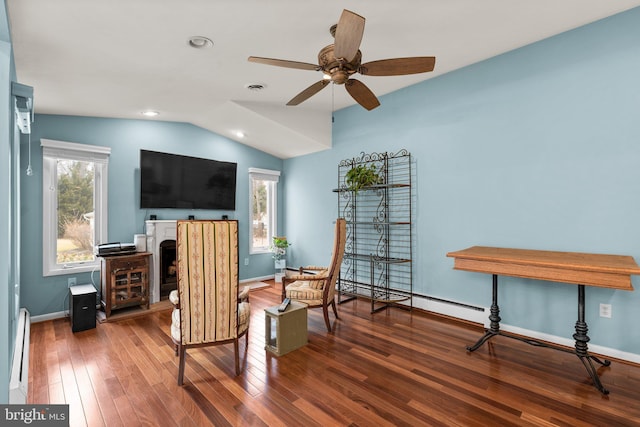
(244, 315)
(174, 297)
(318, 284)
(175, 325)
(244, 294)
(305, 291)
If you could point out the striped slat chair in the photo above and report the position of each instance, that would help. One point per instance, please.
(208, 308)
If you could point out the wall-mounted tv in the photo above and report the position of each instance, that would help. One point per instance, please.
(183, 182)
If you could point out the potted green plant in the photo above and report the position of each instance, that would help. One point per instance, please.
(279, 247)
(362, 176)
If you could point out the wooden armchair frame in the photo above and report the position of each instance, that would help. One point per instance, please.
(328, 275)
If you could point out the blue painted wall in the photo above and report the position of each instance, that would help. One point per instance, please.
(126, 137)
(538, 148)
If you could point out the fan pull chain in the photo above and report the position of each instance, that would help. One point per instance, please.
(333, 118)
(29, 170)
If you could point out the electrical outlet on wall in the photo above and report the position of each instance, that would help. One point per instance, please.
(71, 281)
(246, 261)
(605, 310)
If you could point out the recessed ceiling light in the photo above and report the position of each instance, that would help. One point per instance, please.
(255, 87)
(240, 134)
(200, 42)
(150, 113)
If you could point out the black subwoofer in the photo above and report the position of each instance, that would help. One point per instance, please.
(82, 307)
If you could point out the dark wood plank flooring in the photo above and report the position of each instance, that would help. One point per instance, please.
(389, 368)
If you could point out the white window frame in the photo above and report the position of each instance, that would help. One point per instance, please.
(52, 151)
(272, 205)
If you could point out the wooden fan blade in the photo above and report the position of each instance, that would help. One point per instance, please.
(348, 35)
(362, 94)
(284, 63)
(308, 92)
(399, 66)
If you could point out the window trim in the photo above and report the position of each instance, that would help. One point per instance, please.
(272, 205)
(52, 150)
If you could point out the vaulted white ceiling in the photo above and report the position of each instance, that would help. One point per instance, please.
(117, 58)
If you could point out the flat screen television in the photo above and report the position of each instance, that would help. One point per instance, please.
(183, 182)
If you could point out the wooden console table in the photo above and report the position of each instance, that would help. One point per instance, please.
(605, 271)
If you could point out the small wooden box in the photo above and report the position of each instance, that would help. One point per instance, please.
(286, 331)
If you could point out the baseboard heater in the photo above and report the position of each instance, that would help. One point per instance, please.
(456, 309)
(19, 381)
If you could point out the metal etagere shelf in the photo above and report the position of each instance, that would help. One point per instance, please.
(377, 262)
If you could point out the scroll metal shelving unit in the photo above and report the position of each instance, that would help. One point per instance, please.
(377, 262)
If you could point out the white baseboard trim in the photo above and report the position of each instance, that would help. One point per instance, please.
(567, 342)
(49, 316)
(459, 311)
(481, 317)
(257, 279)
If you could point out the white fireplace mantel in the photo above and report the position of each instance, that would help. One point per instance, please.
(158, 231)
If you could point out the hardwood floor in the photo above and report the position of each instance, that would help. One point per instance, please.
(389, 368)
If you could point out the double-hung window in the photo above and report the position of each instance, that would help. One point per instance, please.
(263, 204)
(74, 205)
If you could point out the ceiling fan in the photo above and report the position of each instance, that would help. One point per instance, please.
(339, 61)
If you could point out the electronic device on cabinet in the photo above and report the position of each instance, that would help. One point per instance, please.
(110, 249)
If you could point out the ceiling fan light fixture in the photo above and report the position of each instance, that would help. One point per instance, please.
(200, 42)
(340, 77)
(342, 59)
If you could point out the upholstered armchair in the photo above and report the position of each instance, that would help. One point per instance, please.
(208, 308)
(318, 290)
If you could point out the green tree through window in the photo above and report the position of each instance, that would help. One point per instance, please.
(75, 211)
(263, 198)
(74, 205)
